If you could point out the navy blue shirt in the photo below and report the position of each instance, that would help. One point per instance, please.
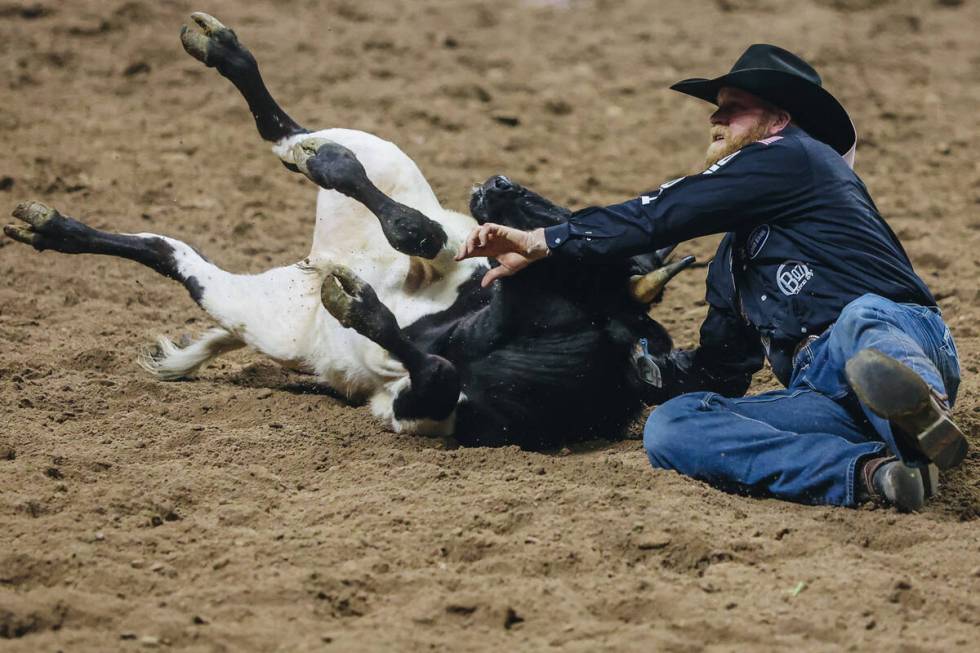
(803, 239)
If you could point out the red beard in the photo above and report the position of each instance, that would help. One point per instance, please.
(732, 144)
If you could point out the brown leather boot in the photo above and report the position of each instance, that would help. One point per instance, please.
(920, 419)
(887, 481)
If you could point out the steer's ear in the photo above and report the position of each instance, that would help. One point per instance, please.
(648, 287)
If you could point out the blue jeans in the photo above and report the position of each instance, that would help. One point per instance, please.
(805, 443)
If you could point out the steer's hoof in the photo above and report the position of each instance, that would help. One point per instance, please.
(37, 216)
(341, 293)
(208, 23)
(215, 45)
(304, 150)
(354, 303)
(195, 44)
(330, 165)
(20, 234)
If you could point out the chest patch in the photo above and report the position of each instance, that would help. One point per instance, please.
(756, 241)
(792, 276)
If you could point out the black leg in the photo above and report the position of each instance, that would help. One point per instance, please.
(333, 166)
(218, 47)
(45, 228)
(435, 384)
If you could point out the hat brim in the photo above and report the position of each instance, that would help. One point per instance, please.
(811, 106)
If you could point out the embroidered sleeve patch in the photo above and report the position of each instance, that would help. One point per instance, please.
(757, 240)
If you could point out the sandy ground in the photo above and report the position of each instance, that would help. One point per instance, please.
(245, 511)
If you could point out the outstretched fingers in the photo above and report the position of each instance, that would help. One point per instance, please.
(513, 249)
(476, 239)
(492, 240)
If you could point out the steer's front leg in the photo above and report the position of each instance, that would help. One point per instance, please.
(335, 167)
(435, 384)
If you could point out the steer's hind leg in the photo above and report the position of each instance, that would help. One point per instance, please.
(217, 46)
(271, 312)
(332, 166)
(435, 385)
(45, 228)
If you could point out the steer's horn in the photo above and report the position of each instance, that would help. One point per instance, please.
(644, 288)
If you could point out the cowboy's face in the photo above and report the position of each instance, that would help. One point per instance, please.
(741, 118)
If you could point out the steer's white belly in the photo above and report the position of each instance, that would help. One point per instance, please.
(346, 233)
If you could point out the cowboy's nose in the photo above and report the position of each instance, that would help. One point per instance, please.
(717, 118)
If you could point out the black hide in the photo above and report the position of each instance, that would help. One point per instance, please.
(544, 357)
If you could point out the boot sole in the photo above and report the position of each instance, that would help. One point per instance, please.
(893, 391)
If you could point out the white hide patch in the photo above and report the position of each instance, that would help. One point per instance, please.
(280, 314)
(382, 406)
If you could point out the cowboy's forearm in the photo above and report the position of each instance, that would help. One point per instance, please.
(751, 186)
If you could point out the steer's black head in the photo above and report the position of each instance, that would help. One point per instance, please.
(508, 203)
(569, 295)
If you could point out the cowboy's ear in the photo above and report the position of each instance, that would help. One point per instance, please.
(783, 119)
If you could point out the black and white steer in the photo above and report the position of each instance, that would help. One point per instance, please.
(537, 359)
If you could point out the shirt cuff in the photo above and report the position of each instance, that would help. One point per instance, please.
(557, 235)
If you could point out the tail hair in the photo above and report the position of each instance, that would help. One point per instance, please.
(168, 361)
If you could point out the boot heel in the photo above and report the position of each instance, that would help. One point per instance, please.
(895, 392)
(930, 480)
(943, 443)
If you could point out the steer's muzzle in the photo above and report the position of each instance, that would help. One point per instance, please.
(491, 196)
(501, 200)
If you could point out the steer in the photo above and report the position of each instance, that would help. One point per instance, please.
(535, 360)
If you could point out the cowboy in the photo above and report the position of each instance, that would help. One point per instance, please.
(808, 276)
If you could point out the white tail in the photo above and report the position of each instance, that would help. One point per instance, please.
(168, 361)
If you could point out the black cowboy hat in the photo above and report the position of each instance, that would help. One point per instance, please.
(785, 80)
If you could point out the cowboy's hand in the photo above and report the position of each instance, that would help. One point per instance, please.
(514, 249)
(492, 240)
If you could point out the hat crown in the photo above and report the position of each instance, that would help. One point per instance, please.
(770, 57)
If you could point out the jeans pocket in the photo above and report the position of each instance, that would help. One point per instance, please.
(803, 357)
(923, 311)
(819, 371)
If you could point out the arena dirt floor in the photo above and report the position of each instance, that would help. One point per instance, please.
(246, 511)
